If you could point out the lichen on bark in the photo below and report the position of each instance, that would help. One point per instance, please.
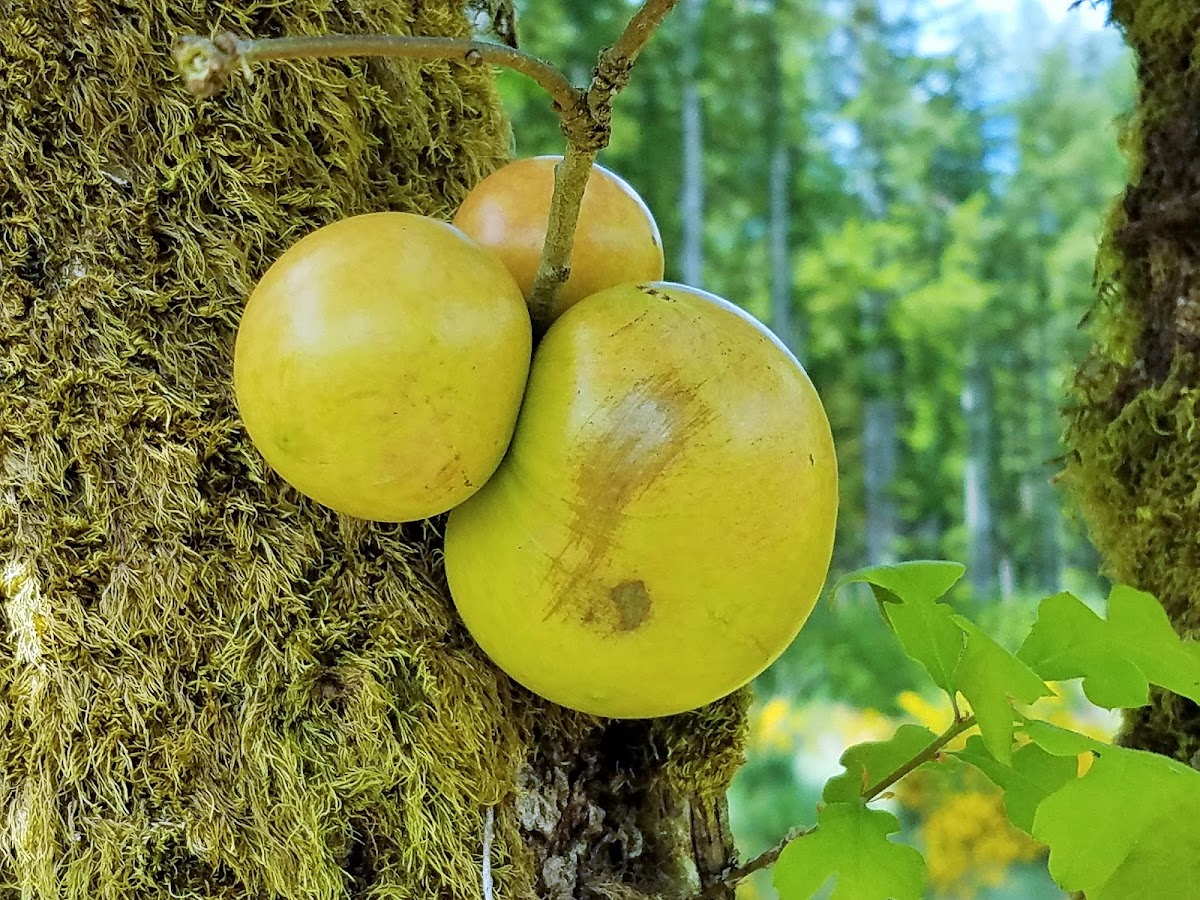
(211, 687)
(1134, 419)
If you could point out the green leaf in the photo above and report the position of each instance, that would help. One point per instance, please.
(912, 581)
(1032, 777)
(929, 634)
(1060, 741)
(1117, 658)
(990, 678)
(1133, 820)
(851, 845)
(1173, 867)
(907, 594)
(867, 763)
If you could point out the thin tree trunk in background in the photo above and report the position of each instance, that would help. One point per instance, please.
(691, 201)
(880, 441)
(1046, 510)
(879, 456)
(787, 326)
(1008, 578)
(977, 505)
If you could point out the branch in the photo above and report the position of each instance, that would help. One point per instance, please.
(585, 115)
(640, 27)
(489, 833)
(570, 181)
(587, 126)
(764, 860)
(957, 727)
(770, 857)
(208, 64)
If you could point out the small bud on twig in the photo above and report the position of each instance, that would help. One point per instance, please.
(207, 65)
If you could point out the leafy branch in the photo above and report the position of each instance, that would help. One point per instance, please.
(585, 114)
(1110, 831)
(869, 792)
(764, 860)
(930, 753)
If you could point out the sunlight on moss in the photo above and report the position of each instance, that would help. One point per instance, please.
(26, 612)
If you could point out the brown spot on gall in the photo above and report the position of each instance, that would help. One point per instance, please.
(632, 603)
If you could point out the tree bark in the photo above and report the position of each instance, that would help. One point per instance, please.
(1132, 428)
(211, 687)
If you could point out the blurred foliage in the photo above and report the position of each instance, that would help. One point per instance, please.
(949, 171)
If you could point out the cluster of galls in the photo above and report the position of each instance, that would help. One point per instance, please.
(641, 510)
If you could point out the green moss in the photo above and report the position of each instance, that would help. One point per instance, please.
(1133, 420)
(705, 748)
(1135, 473)
(1132, 417)
(1151, 23)
(209, 686)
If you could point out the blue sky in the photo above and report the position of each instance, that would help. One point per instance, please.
(1057, 10)
(1010, 17)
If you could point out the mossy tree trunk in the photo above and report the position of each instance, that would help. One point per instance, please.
(1135, 420)
(209, 686)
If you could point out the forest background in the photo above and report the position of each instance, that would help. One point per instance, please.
(911, 195)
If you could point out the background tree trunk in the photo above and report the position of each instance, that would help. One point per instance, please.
(1132, 431)
(977, 496)
(784, 321)
(881, 407)
(880, 441)
(209, 686)
(1044, 442)
(691, 198)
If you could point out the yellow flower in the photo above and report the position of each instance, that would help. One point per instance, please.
(770, 726)
(969, 842)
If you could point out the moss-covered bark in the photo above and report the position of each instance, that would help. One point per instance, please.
(1135, 424)
(209, 686)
